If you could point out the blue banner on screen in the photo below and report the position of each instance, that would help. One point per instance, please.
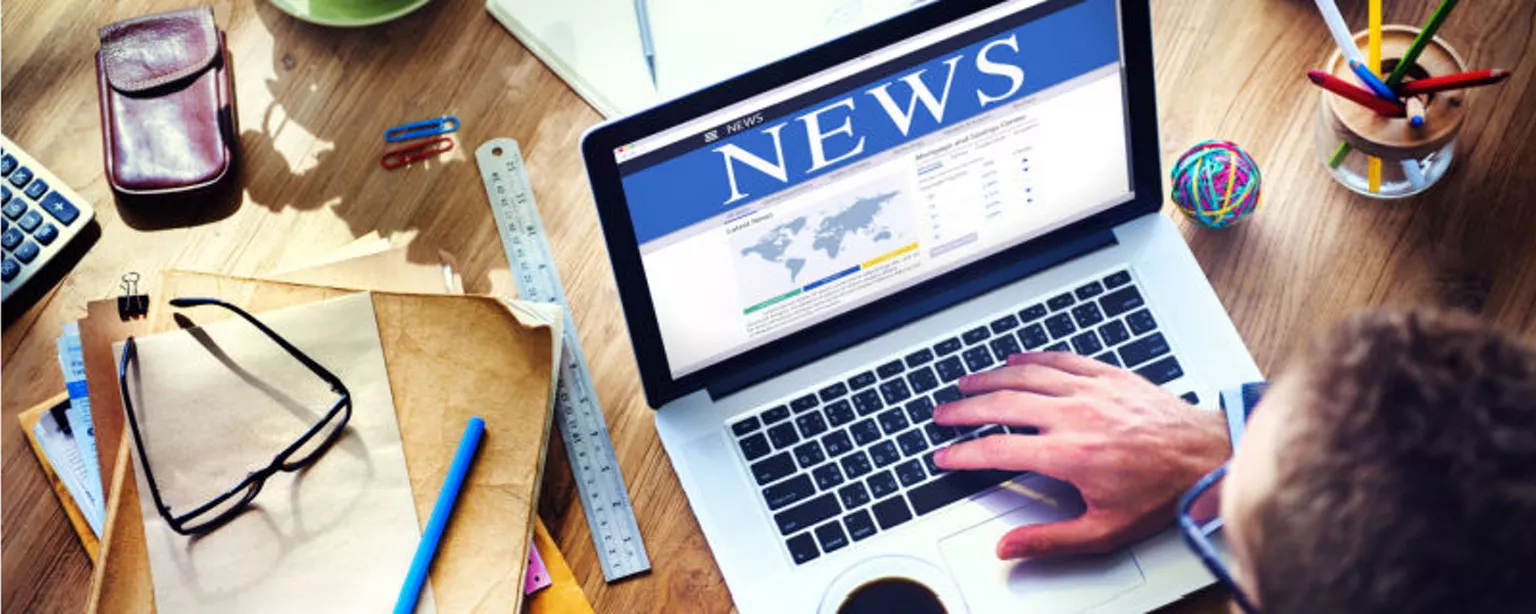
(890, 109)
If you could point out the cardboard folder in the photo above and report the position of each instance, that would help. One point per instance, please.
(448, 357)
(98, 331)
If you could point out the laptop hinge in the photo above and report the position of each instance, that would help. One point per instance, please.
(892, 314)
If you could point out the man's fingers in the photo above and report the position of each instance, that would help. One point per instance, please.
(1007, 452)
(1002, 407)
(1086, 534)
(1063, 361)
(1037, 378)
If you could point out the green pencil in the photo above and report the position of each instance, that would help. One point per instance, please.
(1420, 42)
(1395, 79)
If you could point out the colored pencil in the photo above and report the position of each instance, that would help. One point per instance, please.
(1434, 85)
(1420, 42)
(1373, 41)
(441, 511)
(1339, 30)
(1373, 55)
(1371, 81)
(1331, 13)
(1415, 107)
(1356, 94)
(1346, 42)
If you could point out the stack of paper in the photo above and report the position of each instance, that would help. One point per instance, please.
(67, 441)
(72, 361)
(125, 585)
(61, 452)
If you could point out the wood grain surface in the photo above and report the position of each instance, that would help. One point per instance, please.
(314, 101)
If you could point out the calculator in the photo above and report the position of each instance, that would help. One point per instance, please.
(41, 216)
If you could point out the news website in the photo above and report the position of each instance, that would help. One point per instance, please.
(825, 195)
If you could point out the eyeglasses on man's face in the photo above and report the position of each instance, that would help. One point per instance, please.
(1199, 519)
(302, 452)
(1200, 511)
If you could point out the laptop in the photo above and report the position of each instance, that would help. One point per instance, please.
(811, 254)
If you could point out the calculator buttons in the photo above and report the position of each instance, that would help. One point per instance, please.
(28, 252)
(20, 177)
(60, 208)
(46, 234)
(30, 221)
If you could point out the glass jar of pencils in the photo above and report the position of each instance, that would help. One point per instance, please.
(1399, 148)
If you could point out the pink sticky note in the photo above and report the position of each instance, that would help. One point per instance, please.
(537, 577)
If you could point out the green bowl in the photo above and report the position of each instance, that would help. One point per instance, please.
(348, 13)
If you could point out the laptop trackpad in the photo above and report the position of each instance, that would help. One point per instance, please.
(1061, 584)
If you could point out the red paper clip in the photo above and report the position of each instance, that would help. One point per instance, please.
(420, 151)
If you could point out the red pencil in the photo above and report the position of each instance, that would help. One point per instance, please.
(1452, 82)
(1364, 98)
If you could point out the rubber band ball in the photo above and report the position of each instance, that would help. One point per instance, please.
(1216, 184)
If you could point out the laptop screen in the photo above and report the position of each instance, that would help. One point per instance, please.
(814, 199)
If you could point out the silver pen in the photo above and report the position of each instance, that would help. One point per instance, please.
(645, 39)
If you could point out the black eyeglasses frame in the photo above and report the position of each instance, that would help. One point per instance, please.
(1195, 536)
(189, 523)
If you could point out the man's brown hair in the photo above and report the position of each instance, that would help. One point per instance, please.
(1407, 482)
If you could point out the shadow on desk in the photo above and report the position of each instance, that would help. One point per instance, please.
(333, 92)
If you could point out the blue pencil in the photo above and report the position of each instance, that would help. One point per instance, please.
(1372, 81)
(441, 510)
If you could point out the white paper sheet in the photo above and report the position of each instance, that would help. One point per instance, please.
(72, 362)
(594, 45)
(215, 405)
(63, 455)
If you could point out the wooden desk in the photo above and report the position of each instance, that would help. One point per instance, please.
(314, 101)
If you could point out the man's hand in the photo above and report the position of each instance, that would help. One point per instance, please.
(1129, 446)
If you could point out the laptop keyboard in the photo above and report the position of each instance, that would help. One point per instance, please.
(840, 463)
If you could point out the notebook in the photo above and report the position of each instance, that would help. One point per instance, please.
(594, 45)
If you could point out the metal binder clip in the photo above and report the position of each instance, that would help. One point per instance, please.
(401, 157)
(131, 304)
(423, 128)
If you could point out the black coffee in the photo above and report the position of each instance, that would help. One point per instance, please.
(892, 596)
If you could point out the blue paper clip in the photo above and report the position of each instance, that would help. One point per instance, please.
(423, 128)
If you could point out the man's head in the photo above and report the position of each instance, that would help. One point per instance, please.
(1392, 469)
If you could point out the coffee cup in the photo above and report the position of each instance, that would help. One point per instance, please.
(887, 584)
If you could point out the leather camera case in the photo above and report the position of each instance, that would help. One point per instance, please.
(167, 108)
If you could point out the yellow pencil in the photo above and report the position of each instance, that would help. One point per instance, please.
(1373, 61)
(1373, 38)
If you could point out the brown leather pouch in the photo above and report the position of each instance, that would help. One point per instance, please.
(167, 108)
